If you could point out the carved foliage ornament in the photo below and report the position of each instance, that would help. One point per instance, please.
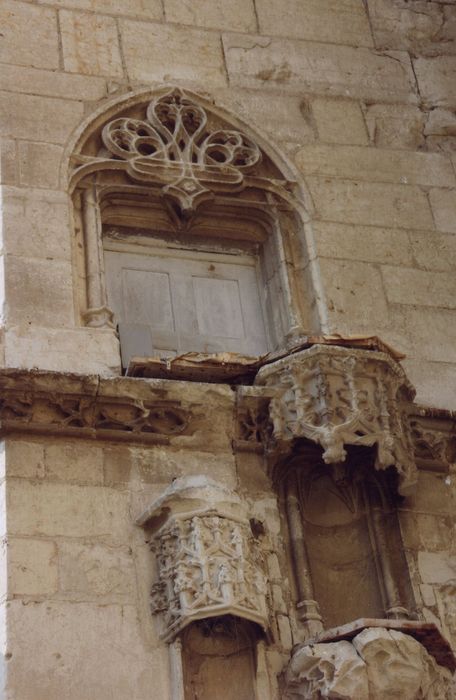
(334, 397)
(208, 561)
(175, 148)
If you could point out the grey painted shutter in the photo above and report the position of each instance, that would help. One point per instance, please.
(168, 305)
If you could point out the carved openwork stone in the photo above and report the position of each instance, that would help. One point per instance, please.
(337, 396)
(177, 149)
(87, 406)
(208, 561)
(376, 664)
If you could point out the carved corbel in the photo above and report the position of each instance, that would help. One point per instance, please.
(208, 561)
(336, 396)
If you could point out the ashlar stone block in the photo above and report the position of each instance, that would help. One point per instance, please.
(371, 203)
(147, 9)
(36, 222)
(332, 21)
(339, 121)
(443, 203)
(74, 462)
(82, 350)
(328, 69)
(51, 83)
(31, 297)
(407, 26)
(377, 165)
(39, 164)
(90, 44)
(25, 459)
(420, 287)
(395, 126)
(436, 567)
(156, 52)
(51, 642)
(65, 510)
(365, 243)
(32, 567)
(434, 251)
(38, 118)
(29, 35)
(348, 285)
(435, 381)
(437, 80)
(237, 16)
(8, 160)
(96, 572)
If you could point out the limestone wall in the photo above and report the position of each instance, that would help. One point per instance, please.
(360, 97)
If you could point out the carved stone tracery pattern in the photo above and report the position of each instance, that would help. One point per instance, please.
(175, 148)
(337, 396)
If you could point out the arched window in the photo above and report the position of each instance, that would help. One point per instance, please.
(191, 235)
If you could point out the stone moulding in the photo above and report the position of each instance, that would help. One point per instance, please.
(208, 560)
(336, 396)
(88, 406)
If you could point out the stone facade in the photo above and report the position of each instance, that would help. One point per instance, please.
(220, 526)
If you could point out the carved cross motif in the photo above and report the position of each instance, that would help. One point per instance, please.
(176, 149)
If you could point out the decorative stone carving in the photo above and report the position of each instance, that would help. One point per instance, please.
(176, 149)
(378, 664)
(434, 437)
(337, 396)
(48, 402)
(208, 561)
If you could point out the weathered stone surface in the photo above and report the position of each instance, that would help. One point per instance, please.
(25, 459)
(377, 664)
(90, 44)
(154, 52)
(32, 567)
(436, 567)
(420, 287)
(214, 14)
(8, 160)
(415, 27)
(51, 83)
(331, 21)
(395, 126)
(436, 80)
(34, 300)
(288, 120)
(375, 204)
(39, 164)
(366, 243)
(147, 9)
(64, 350)
(36, 222)
(436, 381)
(74, 462)
(298, 66)
(429, 327)
(443, 203)
(339, 121)
(90, 571)
(131, 667)
(378, 165)
(38, 118)
(434, 251)
(22, 45)
(46, 509)
(332, 670)
(348, 284)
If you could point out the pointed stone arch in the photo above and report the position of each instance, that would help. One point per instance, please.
(172, 161)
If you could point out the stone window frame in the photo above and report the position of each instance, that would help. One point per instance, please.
(271, 201)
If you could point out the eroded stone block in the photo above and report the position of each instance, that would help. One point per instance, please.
(31, 567)
(254, 61)
(214, 14)
(38, 118)
(90, 44)
(395, 126)
(334, 21)
(155, 52)
(339, 121)
(26, 46)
